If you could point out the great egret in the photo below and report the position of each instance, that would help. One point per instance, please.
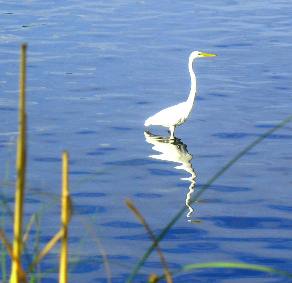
(176, 115)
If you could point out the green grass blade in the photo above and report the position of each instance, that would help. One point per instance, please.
(207, 185)
(234, 265)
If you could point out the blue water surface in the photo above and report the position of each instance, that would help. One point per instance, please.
(96, 71)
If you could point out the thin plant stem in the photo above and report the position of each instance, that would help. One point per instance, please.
(140, 217)
(28, 229)
(37, 247)
(102, 252)
(57, 237)
(230, 265)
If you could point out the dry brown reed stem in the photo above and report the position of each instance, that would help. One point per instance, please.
(20, 168)
(140, 217)
(65, 218)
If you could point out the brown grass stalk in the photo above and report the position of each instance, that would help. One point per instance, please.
(140, 217)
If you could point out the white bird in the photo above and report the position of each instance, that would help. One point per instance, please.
(176, 115)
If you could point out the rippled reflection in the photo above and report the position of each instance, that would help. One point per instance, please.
(174, 150)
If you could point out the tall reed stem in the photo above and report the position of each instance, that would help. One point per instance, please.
(20, 167)
(65, 218)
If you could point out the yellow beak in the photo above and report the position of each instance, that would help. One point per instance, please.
(207, 54)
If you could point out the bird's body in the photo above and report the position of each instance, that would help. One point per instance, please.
(176, 115)
(162, 118)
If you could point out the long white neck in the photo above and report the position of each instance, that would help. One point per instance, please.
(193, 90)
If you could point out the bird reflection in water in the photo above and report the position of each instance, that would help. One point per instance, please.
(174, 150)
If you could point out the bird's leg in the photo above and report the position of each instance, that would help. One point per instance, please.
(171, 129)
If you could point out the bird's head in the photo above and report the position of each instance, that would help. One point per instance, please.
(199, 54)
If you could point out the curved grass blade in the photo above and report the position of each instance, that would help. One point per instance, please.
(137, 213)
(55, 239)
(232, 265)
(103, 253)
(206, 186)
(28, 230)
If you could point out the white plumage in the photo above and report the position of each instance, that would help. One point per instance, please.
(176, 115)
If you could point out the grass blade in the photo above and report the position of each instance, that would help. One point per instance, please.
(203, 189)
(35, 272)
(46, 249)
(102, 251)
(140, 217)
(28, 229)
(232, 265)
(5, 242)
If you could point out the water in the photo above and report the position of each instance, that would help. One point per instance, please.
(96, 71)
